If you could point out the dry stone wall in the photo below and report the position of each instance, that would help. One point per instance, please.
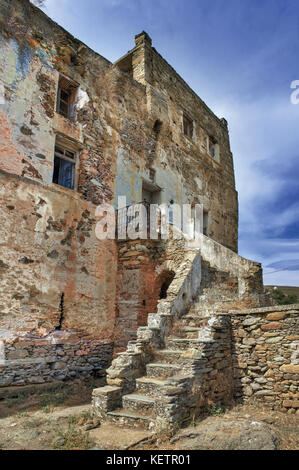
(265, 351)
(55, 357)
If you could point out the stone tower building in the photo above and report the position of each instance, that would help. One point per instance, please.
(77, 131)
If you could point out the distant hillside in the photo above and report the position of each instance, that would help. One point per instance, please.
(287, 290)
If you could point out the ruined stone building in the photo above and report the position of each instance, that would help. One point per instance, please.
(78, 131)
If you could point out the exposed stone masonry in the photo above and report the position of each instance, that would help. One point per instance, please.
(193, 355)
(266, 356)
(54, 357)
(127, 133)
(70, 302)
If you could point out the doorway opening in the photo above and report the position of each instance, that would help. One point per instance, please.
(166, 279)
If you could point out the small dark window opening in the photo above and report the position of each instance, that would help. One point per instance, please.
(150, 191)
(64, 167)
(66, 97)
(188, 126)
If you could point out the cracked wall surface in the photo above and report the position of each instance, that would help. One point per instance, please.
(127, 132)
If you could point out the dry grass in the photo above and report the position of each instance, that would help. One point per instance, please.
(72, 439)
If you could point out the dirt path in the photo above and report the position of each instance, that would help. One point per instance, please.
(66, 428)
(73, 427)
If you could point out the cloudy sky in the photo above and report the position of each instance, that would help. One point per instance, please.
(240, 57)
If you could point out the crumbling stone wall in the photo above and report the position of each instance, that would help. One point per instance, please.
(127, 130)
(53, 357)
(204, 180)
(265, 346)
(55, 274)
(208, 366)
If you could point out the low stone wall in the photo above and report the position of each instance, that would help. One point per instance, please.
(248, 273)
(58, 356)
(213, 372)
(265, 356)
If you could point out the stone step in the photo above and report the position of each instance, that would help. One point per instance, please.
(124, 417)
(193, 321)
(191, 332)
(162, 369)
(200, 318)
(189, 329)
(167, 355)
(195, 316)
(150, 386)
(183, 343)
(137, 402)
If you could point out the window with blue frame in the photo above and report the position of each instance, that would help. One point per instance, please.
(64, 167)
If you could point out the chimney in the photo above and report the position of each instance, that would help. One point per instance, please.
(143, 38)
(142, 58)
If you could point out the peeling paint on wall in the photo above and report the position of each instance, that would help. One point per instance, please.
(126, 134)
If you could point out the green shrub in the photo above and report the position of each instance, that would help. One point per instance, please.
(281, 299)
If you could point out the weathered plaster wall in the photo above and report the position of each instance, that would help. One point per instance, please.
(54, 273)
(49, 248)
(48, 227)
(109, 108)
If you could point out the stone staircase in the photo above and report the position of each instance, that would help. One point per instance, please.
(139, 408)
(166, 380)
(182, 360)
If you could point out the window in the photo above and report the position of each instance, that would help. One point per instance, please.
(66, 97)
(213, 148)
(205, 223)
(152, 174)
(187, 126)
(64, 166)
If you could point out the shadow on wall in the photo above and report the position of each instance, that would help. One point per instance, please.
(164, 281)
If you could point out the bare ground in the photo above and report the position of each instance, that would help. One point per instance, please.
(220, 430)
(60, 420)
